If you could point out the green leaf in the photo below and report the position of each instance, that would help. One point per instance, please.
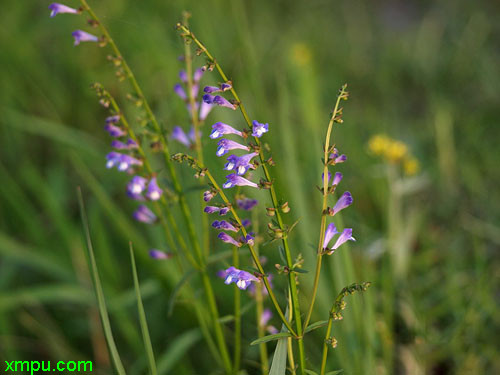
(106, 325)
(316, 325)
(335, 372)
(311, 372)
(300, 270)
(278, 366)
(142, 316)
(282, 254)
(268, 338)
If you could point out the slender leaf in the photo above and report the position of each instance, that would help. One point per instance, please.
(335, 372)
(142, 316)
(311, 372)
(278, 366)
(316, 325)
(268, 338)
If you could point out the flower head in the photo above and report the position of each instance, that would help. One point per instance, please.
(337, 159)
(205, 109)
(154, 192)
(235, 180)
(208, 195)
(344, 201)
(136, 187)
(158, 254)
(119, 145)
(224, 145)
(337, 178)
(264, 319)
(228, 239)
(240, 164)
(181, 137)
(331, 231)
(224, 225)
(344, 237)
(259, 129)
(56, 8)
(247, 203)
(218, 100)
(122, 161)
(113, 130)
(113, 119)
(82, 36)
(219, 129)
(179, 90)
(144, 215)
(242, 279)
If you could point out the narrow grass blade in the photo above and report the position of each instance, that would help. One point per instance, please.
(278, 366)
(268, 338)
(142, 316)
(315, 325)
(99, 292)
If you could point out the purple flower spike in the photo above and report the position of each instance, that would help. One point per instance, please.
(144, 215)
(208, 195)
(235, 180)
(226, 144)
(344, 237)
(242, 279)
(211, 209)
(331, 231)
(179, 90)
(82, 36)
(239, 164)
(179, 135)
(228, 239)
(344, 201)
(154, 192)
(219, 129)
(211, 89)
(205, 110)
(113, 119)
(337, 178)
(246, 204)
(114, 131)
(136, 186)
(224, 225)
(160, 255)
(56, 8)
(259, 129)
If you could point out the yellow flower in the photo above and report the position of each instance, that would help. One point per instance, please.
(411, 166)
(396, 151)
(301, 54)
(378, 144)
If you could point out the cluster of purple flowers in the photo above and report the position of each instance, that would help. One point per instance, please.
(344, 201)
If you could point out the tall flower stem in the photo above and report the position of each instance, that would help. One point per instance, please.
(237, 318)
(178, 190)
(291, 275)
(342, 95)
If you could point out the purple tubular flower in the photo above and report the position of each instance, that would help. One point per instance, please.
(82, 36)
(192, 136)
(344, 237)
(56, 8)
(242, 279)
(205, 110)
(183, 76)
(337, 178)
(224, 145)
(240, 164)
(179, 90)
(219, 129)
(228, 239)
(246, 223)
(338, 159)
(211, 209)
(249, 239)
(265, 317)
(118, 145)
(113, 119)
(158, 254)
(144, 215)
(328, 179)
(259, 129)
(223, 102)
(122, 161)
(344, 201)
(114, 131)
(136, 187)
(224, 225)
(226, 86)
(179, 135)
(246, 204)
(331, 231)
(208, 195)
(154, 192)
(235, 180)
(211, 89)
(223, 211)
(198, 73)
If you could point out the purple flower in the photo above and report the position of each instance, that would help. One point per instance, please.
(228, 239)
(57, 8)
(331, 231)
(198, 73)
(211, 209)
(124, 146)
(224, 145)
(208, 195)
(235, 180)
(218, 100)
(82, 36)
(154, 192)
(122, 161)
(246, 223)
(205, 110)
(179, 90)
(223, 211)
(114, 131)
(344, 201)
(144, 215)
(242, 279)
(179, 135)
(226, 86)
(240, 164)
(337, 178)
(338, 159)
(183, 76)
(259, 129)
(113, 119)
(219, 129)
(136, 187)
(328, 178)
(249, 239)
(344, 237)
(246, 204)
(158, 254)
(211, 89)
(264, 319)
(224, 225)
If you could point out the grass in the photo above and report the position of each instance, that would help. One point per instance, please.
(427, 74)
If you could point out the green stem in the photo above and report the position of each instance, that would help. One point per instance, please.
(319, 253)
(326, 342)
(237, 318)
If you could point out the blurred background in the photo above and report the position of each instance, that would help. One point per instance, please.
(421, 72)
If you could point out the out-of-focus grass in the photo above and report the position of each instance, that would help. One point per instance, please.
(426, 73)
